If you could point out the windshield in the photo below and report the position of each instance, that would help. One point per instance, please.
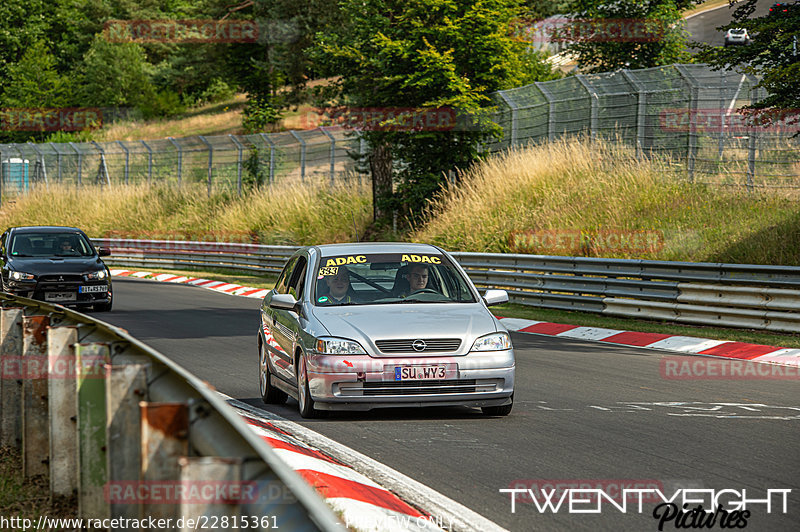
(389, 278)
(50, 245)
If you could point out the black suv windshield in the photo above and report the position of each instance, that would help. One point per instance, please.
(50, 245)
(389, 278)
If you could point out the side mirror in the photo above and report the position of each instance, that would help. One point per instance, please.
(283, 302)
(103, 252)
(495, 297)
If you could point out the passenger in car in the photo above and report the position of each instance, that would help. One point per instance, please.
(339, 289)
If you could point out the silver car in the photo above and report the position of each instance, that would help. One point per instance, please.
(363, 326)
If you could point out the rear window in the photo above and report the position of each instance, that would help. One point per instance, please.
(389, 278)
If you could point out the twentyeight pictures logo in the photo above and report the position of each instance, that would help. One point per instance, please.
(680, 508)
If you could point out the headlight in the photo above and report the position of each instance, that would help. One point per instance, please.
(337, 346)
(492, 342)
(96, 276)
(21, 276)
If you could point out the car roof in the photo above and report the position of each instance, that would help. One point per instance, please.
(330, 250)
(45, 229)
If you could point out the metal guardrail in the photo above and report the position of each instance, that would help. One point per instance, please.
(131, 433)
(728, 295)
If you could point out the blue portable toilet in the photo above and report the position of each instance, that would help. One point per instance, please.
(15, 174)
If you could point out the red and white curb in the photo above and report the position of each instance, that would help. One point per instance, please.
(218, 286)
(679, 344)
(351, 483)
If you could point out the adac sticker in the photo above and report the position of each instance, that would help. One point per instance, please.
(322, 299)
(330, 270)
(341, 261)
(427, 259)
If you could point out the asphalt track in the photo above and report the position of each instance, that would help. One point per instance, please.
(583, 412)
(703, 27)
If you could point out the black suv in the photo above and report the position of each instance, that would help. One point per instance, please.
(56, 265)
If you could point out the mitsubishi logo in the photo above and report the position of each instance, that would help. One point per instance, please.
(419, 345)
(60, 277)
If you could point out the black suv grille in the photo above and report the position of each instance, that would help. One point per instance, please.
(61, 278)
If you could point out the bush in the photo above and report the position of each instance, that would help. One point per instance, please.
(164, 103)
(259, 114)
(217, 91)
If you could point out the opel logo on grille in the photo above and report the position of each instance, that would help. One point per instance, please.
(419, 345)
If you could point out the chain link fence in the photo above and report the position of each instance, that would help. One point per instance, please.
(685, 112)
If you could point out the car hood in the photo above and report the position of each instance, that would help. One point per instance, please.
(368, 323)
(48, 265)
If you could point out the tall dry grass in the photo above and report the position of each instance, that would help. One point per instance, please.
(578, 185)
(284, 213)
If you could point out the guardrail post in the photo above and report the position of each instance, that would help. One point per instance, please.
(126, 386)
(91, 360)
(195, 471)
(63, 410)
(165, 438)
(302, 154)
(35, 426)
(11, 392)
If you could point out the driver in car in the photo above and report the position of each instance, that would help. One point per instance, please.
(417, 279)
(65, 247)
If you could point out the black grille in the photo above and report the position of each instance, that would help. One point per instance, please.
(432, 345)
(57, 278)
(419, 387)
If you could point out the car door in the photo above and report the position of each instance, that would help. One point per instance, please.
(279, 360)
(286, 323)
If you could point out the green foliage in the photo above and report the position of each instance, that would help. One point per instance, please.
(259, 114)
(162, 104)
(115, 75)
(664, 43)
(424, 54)
(774, 54)
(217, 91)
(257, 172)
(34, 82)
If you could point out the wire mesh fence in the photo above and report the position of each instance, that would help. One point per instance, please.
(685, 112)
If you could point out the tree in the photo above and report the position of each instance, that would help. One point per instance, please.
(609, 35)
(774, 54)
(396, 55)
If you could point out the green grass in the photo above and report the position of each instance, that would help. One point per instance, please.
(28, 498)
(588, 319)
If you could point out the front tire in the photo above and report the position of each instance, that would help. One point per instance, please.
(503, 410)
(304, 401)
(269, 393)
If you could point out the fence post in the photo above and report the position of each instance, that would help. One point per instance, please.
(271, 157)
(149, 162)
(551, 111)
(126, 386)
(127, 159)
(594, 101)
(41, 160)
(302, 155)
(210, 161)
(103, 170)
(91, 360)
(63, 410)
(11, 381)
(641, 111)
(58, 160)
(514, 117)
(80, 161)
(180, 157)
(692, 139)
(238, 163)
(35, 426)
(333, 152)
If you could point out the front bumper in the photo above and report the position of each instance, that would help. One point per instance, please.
(40, 291)
(361, 382)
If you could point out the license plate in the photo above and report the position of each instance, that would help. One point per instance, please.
(59, 296)
(419, 373)
(92, 289)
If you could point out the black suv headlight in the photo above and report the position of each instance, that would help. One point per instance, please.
(22, 276)
(96, 276)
